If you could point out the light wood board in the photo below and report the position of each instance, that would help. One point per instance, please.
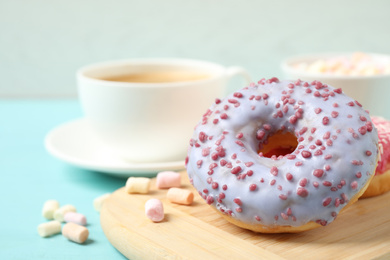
(198, 232)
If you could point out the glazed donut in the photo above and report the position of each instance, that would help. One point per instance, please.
(380, 183)
(282, 156)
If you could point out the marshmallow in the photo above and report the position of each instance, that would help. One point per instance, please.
(98, 202)
(137, 185)
(49, 228)
(168, 179)
(75, 217)
(75, 233)
(154, 210)
(49, 207)
(180, 196)
(60, 213)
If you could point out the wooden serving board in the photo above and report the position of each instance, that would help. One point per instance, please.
(198, 232)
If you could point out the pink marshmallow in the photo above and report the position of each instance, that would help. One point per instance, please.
(76, 218)
(168, 179)
(154, 210)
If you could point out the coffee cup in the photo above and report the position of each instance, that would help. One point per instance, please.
(145, 110)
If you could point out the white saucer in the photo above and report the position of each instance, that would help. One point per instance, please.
(73, 143)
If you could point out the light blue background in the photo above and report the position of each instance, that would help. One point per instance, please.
(43, 43)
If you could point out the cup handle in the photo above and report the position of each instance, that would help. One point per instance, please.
(235, 70)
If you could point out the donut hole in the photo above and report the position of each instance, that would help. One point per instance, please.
(279, 143)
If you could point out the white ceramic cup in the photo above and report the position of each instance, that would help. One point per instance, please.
(149, 122)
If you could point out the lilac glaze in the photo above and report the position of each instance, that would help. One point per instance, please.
(335, 157)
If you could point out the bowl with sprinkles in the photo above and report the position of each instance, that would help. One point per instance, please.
(362, 76)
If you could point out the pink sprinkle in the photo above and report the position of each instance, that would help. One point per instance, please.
(289, 176)
(249, 173)
(260, 134)
(239, 143)
(306, 154)
(209, 200)
(363, 130)
(267, 127)
(265, 96)
(205, 151)
(252, 187)
(298, 163)
(217, 101)
(249, 164)
(284, 216)
(236, 170)
(327, 183)
(283, 196)
(317, 94)
(293, 119)
(358, 175)
(318, 173)
(316, 184)
(202, 137)
(326, 135)
(224, 116)
(223, 162)
(351, 104)
(272, 182)
(326, 201)
(239, 135)
(317, 110)
(325, 120)
(224, 187)
(291, 156)
(368, 153)
(303, 130)
(274, 79)
(199, 163)
(302, 192)
(303, 182)
(334, 114)
(356, 162)
(274, 171)
(215, 121)
(237, 201)
(354, 185)
(213, 165)
(214, 185)
(238, 95)
(338, 90)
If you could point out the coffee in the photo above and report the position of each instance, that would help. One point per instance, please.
(159, 77)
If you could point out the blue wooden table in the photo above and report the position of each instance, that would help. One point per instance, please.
(29, 176)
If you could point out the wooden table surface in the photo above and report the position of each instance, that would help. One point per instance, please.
(197, 232)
